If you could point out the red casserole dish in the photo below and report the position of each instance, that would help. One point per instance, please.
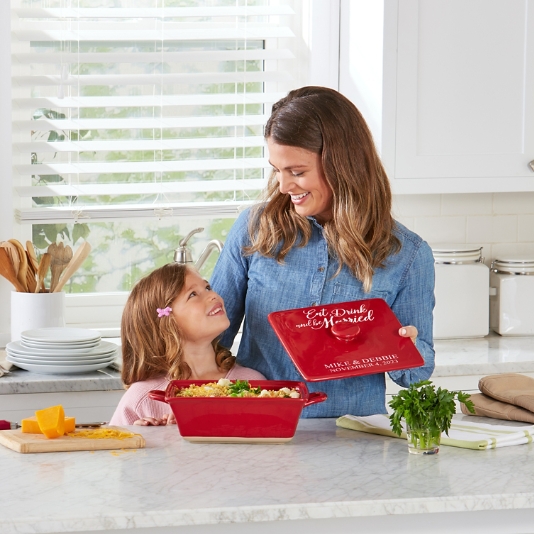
(238, 419)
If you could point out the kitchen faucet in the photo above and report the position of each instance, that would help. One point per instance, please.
(183, 254)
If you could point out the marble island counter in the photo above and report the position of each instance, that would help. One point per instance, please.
(327, 479)
(93, 396)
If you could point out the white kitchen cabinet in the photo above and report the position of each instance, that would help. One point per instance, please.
(452, 110)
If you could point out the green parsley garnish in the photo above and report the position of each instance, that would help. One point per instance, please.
(424, 407)
(240, 386)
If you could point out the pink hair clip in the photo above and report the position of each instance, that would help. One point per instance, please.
(165, 311)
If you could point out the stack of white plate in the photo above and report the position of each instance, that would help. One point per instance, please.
(57, 350)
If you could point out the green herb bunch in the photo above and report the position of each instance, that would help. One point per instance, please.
(428, 411)
(239, 387)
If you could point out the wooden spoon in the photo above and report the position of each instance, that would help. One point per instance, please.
(32, 256)
(60, 257)
(79, 257)
(33, 265)
(31, 281)
(44, 264)
(23, 268)
(13, 254)
(7, 270)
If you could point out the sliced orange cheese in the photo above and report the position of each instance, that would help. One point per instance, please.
(31, 426)
(103, 433)
(51, 421)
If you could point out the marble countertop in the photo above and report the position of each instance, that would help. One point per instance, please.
(20, 381)
(488, 355)
(456, 357)
(325, 473)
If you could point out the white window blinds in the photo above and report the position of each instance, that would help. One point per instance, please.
(126, 109)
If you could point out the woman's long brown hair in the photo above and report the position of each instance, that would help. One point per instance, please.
(360, 233)
(152, 346)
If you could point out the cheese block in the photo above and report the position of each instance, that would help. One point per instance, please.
(31, 426)
(51, 421)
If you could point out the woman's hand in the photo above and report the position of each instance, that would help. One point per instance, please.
(409, 331)
(167, 419)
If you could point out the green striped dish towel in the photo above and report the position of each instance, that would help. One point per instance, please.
(463, 432)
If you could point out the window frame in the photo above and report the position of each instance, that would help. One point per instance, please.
(320, 30)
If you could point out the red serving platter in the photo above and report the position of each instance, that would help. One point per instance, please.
(238, 420)
(344, 340)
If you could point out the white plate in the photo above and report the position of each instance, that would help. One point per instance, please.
(56, 334)
(104, 347)
(60, 346)
(60, 369)
(19, 359)
(72, 358)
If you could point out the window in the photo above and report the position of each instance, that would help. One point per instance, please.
(137, 121)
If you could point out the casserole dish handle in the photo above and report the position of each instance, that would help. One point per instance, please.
(315, 397)
(157, 394)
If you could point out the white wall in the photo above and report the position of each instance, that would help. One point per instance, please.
(6, 202)
(503, 223)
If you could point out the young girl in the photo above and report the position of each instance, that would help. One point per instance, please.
(169, 331)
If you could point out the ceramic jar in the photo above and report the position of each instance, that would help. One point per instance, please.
(512, 296)
(36, 310)
(461, 291)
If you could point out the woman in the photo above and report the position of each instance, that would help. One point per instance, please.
(324, 234)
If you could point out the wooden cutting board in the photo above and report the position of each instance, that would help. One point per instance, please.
(25, 443)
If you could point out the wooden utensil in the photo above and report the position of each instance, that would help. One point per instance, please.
(79, 257)
(44, 264)
(31, 281)
(31, 278)
(8, 272)
(23, 268)
(60, 257)
(33, 267)
(13, 254)
(32, 256)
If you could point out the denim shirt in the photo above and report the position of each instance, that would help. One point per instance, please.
(254, 286)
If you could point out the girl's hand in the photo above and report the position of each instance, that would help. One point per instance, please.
(409, 331)
(167, 419)
(171, 419)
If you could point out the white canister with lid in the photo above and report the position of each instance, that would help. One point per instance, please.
(512, 296)
(462, 292)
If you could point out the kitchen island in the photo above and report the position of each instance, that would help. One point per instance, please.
(327, 479)
(93, 396)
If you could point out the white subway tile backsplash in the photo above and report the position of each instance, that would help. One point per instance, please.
(416, 205)
(441, 229)
(503, 250)
(503, 223)
(479, 229)
(525, 228)
(512, 203)
(467, 204)
(492, 229)
(409, 222)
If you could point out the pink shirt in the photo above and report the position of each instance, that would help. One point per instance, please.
(136, 404)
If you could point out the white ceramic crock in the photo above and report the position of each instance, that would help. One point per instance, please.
(512, 299)
(36, 310)
(461, 291)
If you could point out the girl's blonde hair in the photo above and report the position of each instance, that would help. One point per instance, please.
(152, 346)
(360, 233)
